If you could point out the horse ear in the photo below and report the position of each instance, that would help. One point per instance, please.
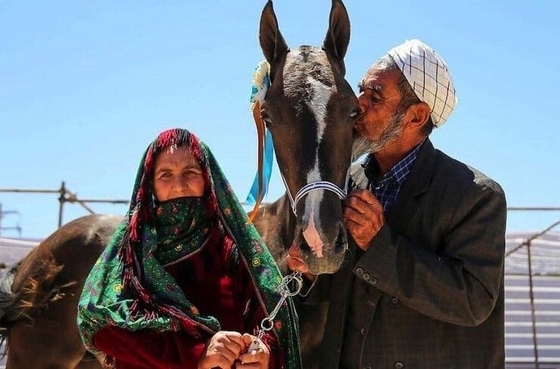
(272, 43)
(338, 34)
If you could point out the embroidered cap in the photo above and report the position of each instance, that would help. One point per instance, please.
(429, 77)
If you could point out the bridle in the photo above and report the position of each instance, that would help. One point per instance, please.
(265, 156)
(314, 186)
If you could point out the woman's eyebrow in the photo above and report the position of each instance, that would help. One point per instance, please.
(163, 169)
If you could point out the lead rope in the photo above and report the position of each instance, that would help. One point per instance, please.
(284, 289)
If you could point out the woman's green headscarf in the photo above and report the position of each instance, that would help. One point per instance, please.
(129, 288)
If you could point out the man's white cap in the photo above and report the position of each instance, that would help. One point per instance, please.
(429, 77)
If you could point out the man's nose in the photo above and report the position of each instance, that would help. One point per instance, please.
(363, 102)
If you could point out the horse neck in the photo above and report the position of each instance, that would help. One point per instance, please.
(276, 224)
(287, 223)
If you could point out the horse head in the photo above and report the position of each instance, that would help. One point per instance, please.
(310, 110)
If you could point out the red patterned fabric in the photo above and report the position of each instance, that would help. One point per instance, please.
(149, 349)
(214, 293)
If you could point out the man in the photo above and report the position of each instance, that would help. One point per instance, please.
(423, 284)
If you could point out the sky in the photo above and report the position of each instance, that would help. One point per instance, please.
(85, 86)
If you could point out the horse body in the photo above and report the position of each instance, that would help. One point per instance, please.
(310, 110)
(47, 285)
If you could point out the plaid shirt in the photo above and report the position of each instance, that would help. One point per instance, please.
(388, 187)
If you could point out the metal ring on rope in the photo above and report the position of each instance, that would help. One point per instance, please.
(284, 290)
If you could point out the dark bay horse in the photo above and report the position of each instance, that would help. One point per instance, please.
(39, 312)
(310, 110)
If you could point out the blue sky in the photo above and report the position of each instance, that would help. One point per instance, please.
(85, 86)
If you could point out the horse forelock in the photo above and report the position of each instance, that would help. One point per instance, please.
(309, 79)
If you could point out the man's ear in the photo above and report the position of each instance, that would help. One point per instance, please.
(417, 115)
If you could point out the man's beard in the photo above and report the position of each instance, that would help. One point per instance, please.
(363, 145)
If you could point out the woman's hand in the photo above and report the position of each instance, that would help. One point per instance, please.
(222, 350)
(257, 358)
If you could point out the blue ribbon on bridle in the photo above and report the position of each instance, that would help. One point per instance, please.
(261, 82)
(268, 160)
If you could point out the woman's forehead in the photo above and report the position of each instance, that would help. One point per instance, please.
(175, 152)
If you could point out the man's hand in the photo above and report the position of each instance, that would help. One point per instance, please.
(257, 358)
(363, 217)
(222, 350)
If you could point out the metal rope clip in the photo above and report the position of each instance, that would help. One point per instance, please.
(284, 289)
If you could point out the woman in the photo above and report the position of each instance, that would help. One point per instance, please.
(186, 279)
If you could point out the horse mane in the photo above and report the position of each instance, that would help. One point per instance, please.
(36, 292)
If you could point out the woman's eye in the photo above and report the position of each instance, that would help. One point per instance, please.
(193, 172)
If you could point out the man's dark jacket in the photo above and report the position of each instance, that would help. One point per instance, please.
(428, 293)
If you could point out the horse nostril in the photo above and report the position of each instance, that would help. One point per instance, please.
(341, 243)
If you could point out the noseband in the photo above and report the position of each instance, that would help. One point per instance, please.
(314, 186)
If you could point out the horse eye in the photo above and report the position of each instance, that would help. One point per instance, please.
(355, 113)
(266, 119)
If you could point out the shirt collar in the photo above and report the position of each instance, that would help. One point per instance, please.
(398, 172)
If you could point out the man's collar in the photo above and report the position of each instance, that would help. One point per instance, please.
(398, 172)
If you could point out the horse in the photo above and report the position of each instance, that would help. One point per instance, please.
(310, 111)
(38, 303)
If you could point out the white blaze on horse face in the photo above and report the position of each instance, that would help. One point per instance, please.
(320, 86)
(312, 233)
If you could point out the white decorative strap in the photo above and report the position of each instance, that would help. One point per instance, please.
(313, 186)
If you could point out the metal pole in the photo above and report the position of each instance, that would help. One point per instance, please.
(534, 208)
(104, 201)
(72, 198)
(532, 301)
(19, 190)
(61, 200)
(65, 196)
(2, 214)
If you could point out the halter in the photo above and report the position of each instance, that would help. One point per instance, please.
(313, 186)
(261, 82)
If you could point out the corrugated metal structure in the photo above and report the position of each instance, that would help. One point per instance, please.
(532, 288)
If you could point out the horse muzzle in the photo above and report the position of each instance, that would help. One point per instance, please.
(320, 253)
